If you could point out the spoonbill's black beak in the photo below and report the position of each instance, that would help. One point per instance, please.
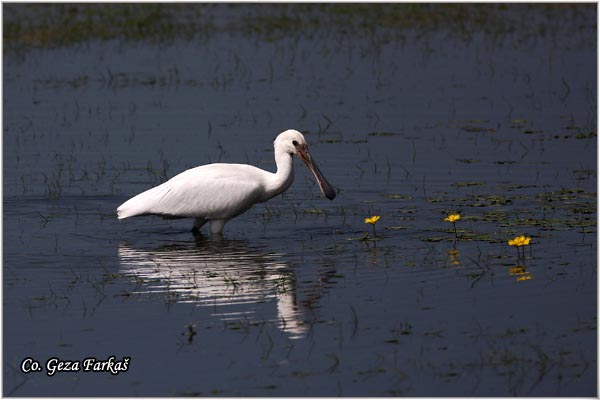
(325, 187)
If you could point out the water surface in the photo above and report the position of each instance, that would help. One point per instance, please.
(408, 121)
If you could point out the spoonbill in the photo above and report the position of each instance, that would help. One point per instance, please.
(219, 192)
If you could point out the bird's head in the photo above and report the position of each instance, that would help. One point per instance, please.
(293, 142)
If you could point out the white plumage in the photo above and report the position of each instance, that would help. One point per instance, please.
(219, 192)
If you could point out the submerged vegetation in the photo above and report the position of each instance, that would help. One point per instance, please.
(302, 295)
(32, 25)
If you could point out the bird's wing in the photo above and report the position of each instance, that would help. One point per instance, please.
(215, 191)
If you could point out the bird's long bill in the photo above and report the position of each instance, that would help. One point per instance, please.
(326, 188)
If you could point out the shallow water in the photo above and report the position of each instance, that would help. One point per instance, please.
(295, 300)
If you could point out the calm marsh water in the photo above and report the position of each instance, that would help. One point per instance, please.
(409, 123)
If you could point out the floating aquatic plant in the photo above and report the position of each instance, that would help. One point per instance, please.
(453, 218)
(373, 220)
(520, 241)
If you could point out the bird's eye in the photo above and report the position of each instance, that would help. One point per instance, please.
(295, 142)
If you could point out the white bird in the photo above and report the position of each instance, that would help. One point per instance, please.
(219, 192)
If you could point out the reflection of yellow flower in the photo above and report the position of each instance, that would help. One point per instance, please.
(372, 220)
(520, 271)
(519, 241)
(453, 253)
(452, 218)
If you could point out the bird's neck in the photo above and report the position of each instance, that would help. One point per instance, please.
(284, 176)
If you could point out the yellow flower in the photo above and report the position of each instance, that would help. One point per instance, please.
(452, 218)
(372, 220)
(519, 241)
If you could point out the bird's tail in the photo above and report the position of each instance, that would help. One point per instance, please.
(137, 205)
(127, 210)
(143, 204)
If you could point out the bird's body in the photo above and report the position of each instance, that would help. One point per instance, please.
(219, 192)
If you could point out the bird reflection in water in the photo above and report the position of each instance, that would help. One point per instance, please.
(229, 276)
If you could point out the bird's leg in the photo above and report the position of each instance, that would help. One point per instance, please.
(216, 226)
(198, 222)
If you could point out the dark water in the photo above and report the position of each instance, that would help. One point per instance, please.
(293, 302)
